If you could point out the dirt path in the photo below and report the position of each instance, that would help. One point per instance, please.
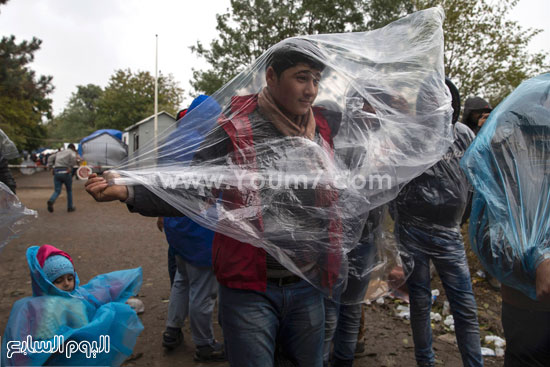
(106, 237)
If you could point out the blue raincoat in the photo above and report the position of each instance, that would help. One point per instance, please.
(93, 317)
(190, 240)
(509, 166)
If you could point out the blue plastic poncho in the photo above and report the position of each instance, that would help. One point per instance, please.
(509, 166)
(93, 315)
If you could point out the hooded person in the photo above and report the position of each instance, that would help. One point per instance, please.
(65, 312)
(508, 165)
(366, 111)
(428, 212)
(476, 111)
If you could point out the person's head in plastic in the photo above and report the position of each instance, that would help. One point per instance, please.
(293, 74)
(364, 101)
(57, 266)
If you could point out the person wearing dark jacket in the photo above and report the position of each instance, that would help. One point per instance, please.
(508, 165)
(427, 224)
(343, 314)
(476, 112)
(8, 150)
(262, 303)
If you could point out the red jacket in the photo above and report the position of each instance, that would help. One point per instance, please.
(240, 265)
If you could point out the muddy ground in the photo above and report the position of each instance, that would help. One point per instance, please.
(106, 237)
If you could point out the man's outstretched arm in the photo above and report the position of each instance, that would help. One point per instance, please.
(100, 190)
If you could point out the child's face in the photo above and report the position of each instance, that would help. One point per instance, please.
(65, 282)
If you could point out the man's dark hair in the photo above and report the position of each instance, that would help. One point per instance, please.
(71, 146)
(292, 52)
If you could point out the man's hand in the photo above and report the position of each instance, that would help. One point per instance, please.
(160, 224)
(482, 119)
(543, 281)
(97, 187)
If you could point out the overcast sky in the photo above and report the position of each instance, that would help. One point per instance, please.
(85, 41)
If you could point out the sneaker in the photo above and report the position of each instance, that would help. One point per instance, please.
(210, 353)
(172, 337)
(71, 209)
(50, 206)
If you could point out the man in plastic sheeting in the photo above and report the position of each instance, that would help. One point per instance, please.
(262, 303)
(63, 163)
(193, 292)
(428, 214)
(343, 315)
(476, 112)
(8, 150)
(508, 165)
(342, 318)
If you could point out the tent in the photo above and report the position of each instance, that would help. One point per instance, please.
(103, 148)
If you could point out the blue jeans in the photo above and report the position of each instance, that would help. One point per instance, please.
(446, 250)
(343, 316)
(60, 179)
(193, 294)
(253, 323)
(172, 265)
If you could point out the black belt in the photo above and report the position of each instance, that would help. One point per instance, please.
(291, 279)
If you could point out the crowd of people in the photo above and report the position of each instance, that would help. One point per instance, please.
(270, 314)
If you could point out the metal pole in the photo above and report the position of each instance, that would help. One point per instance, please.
(156, 87)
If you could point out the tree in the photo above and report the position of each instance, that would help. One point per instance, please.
(260, 24)
(485, 53)
(78, 119)
(23, 96)
(129, 98)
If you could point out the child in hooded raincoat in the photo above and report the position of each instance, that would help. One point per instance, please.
(65, 323)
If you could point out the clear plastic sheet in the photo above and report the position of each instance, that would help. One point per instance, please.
(303, 191)
(509, 166)
(14, 216)
(372, 261)
(8, 150)
(86, 314)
